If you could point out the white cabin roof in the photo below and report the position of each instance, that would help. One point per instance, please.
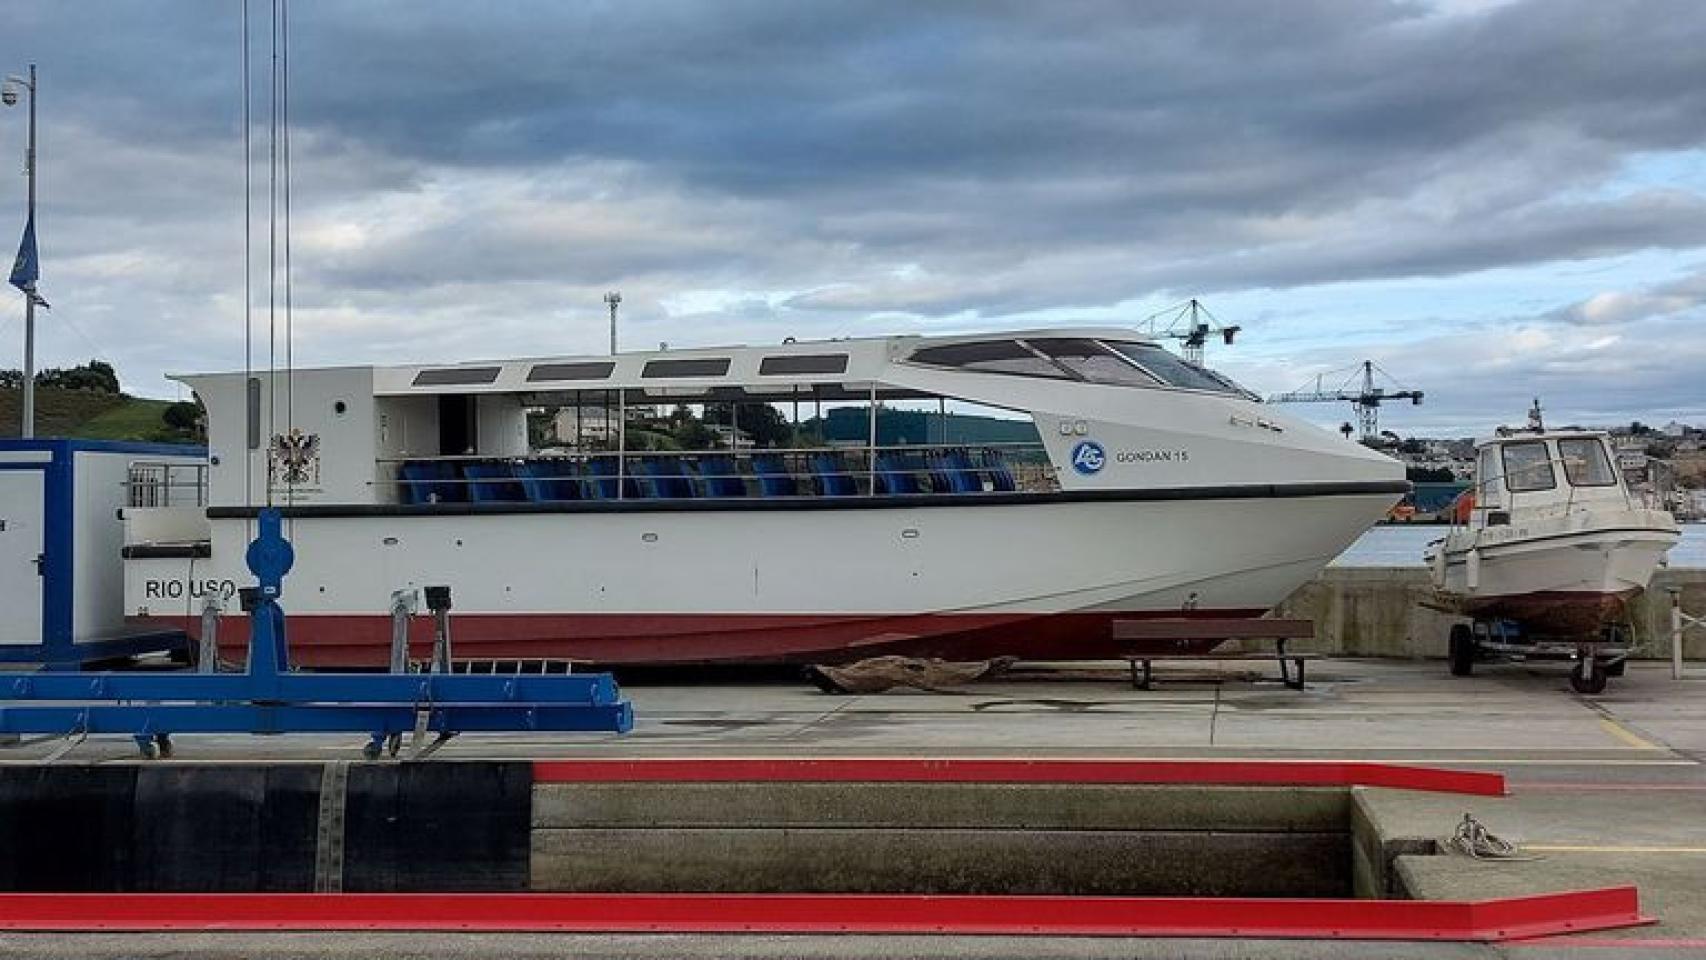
(861, 360)
(1517, 436)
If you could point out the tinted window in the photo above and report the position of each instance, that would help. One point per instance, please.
(989, 356)
(456, 376)
(1092, 361)
(1585, 463)
(591, 370)
(805, 363)
(1489, 492)
(1528, 467)
(1171, 370)
(687, 367)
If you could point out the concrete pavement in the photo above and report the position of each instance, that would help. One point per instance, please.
(1608, 789)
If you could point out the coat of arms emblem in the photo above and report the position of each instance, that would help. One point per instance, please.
(294, 458)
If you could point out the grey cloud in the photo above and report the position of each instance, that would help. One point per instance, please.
(1628, 307)
(1480, 377)
(856, 164)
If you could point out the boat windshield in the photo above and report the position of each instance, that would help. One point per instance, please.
(1092, 361)
(1172, 370)
(991, 356)
(1528, 467)
(1124, 363)
(1585, 462)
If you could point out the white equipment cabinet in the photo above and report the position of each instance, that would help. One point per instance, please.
(61, 537)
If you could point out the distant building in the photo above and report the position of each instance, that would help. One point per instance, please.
(585, 424)
(1631, 452)
(728, 438)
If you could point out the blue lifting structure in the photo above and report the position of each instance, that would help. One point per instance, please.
(269, 699)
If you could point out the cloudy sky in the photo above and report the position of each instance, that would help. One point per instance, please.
(1491, 199)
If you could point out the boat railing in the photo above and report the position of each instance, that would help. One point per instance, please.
(801, 472)
(159, 483)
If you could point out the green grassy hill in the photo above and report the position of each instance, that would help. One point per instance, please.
(89, 416)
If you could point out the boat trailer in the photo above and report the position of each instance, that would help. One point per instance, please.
(1594, 660)
(268, 698)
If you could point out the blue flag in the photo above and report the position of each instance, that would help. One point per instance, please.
(27, 268)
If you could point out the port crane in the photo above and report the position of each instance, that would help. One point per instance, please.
(1361, 390)
(1191, 324)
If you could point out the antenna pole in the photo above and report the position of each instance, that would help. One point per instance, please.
(28, 428)
(614, 299)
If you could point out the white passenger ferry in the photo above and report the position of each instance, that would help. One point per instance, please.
(1150, 487)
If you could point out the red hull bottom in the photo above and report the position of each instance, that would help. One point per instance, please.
(1571, 613)
(631, 639)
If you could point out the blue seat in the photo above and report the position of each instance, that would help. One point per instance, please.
(414, 482)
(662, 478)
(897, 474)
(492, 482)
(1000, 477)
(774, 480)
(951, 472)
(721, 477)
(833, 479)
(598, 481)
(549, 479)
(432, 481)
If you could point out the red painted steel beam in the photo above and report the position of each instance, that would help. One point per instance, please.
(1487, 920)
(1307, 773)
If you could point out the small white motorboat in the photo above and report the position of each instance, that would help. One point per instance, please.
(1548, 553)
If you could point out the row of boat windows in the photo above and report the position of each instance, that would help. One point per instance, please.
(793, 365)
(1528, 464)
(1127, 363)
(684, 477)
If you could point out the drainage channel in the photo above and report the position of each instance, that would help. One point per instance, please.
(919, 846)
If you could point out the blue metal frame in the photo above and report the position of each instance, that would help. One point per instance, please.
(59, 445)
(268, 698)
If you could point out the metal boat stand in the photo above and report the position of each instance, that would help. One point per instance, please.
(1680, 624)
(1593, 660)
(268, 698)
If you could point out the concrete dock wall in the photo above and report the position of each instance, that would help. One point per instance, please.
(948, 838)
(1378, 612)
(486, 826)
(244, 828)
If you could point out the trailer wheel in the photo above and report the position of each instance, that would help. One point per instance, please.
(1462, 650)
(1587, 677)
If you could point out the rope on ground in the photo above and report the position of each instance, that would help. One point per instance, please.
(1475, 841)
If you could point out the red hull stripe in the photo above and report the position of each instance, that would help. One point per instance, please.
(362, 640)
(1485, 920)
(1220, 772)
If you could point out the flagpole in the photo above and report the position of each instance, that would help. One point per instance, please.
(29, 426)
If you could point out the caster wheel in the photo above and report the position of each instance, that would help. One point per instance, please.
(1462, 650)
(1587, 678)
(163, 746)
(372, 750)
(149, 750)
(394, 744)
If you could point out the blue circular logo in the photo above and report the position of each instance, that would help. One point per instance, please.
(1089, 458)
